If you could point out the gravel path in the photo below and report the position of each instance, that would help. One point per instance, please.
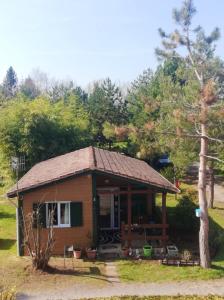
(215, 287)
(111, 272)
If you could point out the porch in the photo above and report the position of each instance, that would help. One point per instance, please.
(126, 213)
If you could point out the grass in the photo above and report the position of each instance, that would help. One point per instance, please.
(11, 270)
(148, 271)
(7, 230)
(152, 271)
(16, 272)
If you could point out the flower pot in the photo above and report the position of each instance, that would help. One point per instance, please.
(91, 253)
(125, 252)
(77, 253)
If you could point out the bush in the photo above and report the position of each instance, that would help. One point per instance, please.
(184, 215)
(216, 238)
(190, 192)
(168, 173)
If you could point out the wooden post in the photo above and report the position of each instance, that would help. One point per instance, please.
(149, 203)
(129, 215)
(164, 216)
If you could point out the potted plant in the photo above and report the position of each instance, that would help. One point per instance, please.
(77, 252)
(91, 253)
(125, 251)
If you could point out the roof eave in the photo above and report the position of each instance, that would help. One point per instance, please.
(171, 189)
(13, 193)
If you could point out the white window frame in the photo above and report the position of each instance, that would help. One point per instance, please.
(59, 225)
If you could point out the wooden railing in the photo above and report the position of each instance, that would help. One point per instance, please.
(141, 232)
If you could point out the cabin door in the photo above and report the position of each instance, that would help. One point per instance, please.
(109, 211)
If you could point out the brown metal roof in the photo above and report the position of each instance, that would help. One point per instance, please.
(90, 159)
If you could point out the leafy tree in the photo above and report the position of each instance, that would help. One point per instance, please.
(29, 88)
(143, 109)
(81, 94)
(172, 82)
(59, 91)
(10, 83)
(106, 104)
(41, 130)
(41, 80)
(63, 90)
(194, 103)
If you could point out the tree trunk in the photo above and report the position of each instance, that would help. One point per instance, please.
(211, 186)
(204, 221)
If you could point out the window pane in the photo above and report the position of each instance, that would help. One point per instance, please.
(65, 213)
(52, 209)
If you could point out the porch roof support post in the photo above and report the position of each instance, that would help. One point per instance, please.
(164, 216)
(129, 215)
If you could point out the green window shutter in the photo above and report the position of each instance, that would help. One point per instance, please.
(42, 214)
(76, 212)
(35, 205)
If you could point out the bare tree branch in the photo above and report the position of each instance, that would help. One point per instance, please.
(213, 157)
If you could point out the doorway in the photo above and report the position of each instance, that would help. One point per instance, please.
(109, 217)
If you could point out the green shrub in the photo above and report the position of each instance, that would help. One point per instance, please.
(190, 192)
(168, 173)
(184, 218)
(216, 237)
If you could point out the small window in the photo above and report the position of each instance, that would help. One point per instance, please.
(61, 214)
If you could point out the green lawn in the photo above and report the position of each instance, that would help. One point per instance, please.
(12, 268)
(7, 229)
(146, 271)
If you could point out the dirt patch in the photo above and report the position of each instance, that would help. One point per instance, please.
(18, 273)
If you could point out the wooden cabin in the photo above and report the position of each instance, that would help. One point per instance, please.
(99, 197)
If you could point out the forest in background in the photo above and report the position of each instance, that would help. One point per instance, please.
(176, 111)
(40, 118)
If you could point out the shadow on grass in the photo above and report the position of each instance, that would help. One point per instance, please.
(6, 215)
(219, 268)
(6, 244)
(219, 208)
(90, 272)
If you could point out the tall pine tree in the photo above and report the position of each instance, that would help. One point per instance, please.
(10, 83)
(198, 100)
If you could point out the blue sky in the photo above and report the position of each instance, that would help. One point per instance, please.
(86, 40)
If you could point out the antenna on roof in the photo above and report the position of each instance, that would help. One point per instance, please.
(18, 165)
